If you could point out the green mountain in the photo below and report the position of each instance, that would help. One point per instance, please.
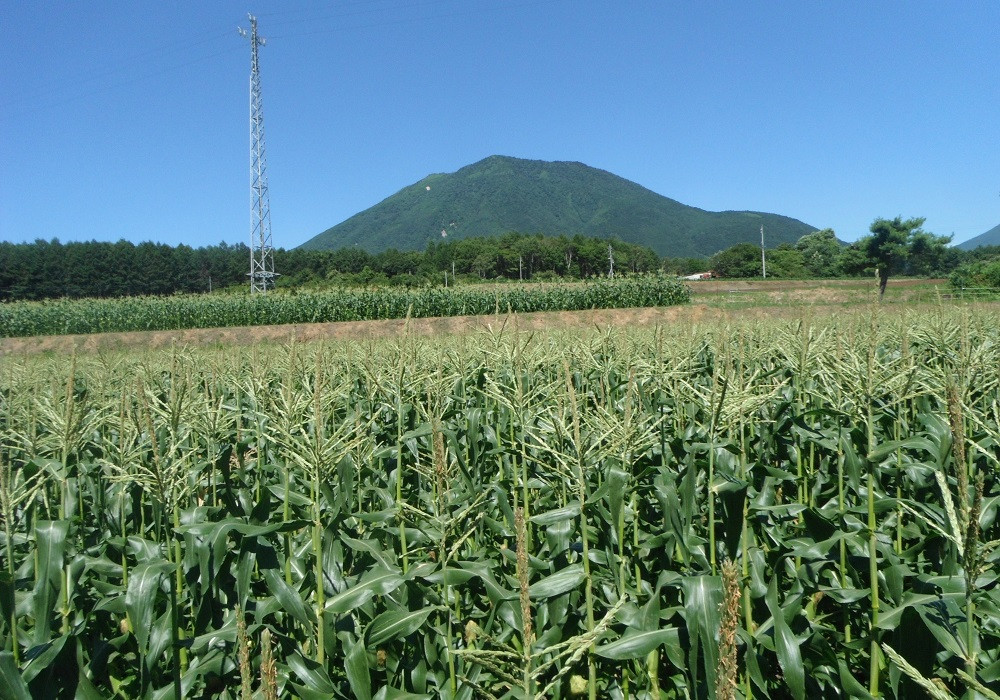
(501, 194)
(991, 237)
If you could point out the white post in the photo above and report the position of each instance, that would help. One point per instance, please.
(763, 260)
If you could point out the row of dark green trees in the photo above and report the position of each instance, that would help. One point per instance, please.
(50, 269)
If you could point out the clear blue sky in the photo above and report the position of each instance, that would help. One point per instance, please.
(130, 119)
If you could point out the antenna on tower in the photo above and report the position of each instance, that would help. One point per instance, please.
(261, 252)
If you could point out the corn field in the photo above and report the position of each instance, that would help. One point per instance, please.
(77, 316)
(774, 509)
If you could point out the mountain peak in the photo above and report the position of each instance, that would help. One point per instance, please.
(499, 194)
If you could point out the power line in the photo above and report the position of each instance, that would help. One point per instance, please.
(54, 92)
(369, 8)
(406, 20)
(141, 77)
(116, 75)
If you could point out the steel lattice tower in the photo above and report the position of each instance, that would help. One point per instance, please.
(261, 252)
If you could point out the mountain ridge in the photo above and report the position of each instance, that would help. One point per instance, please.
(500, 194)
(991, 237)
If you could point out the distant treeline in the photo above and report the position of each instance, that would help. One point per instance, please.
(50, 269)
(820, 255)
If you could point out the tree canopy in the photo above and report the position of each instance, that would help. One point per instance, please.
(820, 252)
(894, 243)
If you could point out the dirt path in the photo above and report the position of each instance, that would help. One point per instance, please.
(368, 329)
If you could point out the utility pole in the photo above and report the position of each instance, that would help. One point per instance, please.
(611, 262)
(763, 261)
(261, 251)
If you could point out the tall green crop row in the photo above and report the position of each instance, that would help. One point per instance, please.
(69, 316)
(511, 515)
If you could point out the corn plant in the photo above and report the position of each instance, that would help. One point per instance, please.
(77, 316)
(779, 508)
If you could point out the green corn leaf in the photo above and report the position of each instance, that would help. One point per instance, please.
(221, 529)
(358, 675)
(914, 443)
(615, 481)
(484, 572)
(556, 515)
(393, 625)
(847, 595)
(141, 596)
(378, 581)
(807, 548)
(636, 645)
(12, 686)
(849, 683)
(145, 550)
(316, 681)
(449, 576)
(50, 536)
(159, 636)
(85, 688)
(216, 638)
(786, 645)
(939, 622)
(649, 619)
(383, 558)
(389, 693)
(558, 583)
(702, 597)
(889, 618)
(290, 600)
(42, 658)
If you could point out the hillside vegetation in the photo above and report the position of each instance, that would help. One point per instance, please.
(501, 194)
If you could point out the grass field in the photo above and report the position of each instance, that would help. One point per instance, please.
(737, 294)
(797, 500)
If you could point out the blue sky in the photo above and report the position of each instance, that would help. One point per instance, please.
(130, 120)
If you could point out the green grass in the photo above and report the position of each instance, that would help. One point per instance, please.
(744, 294)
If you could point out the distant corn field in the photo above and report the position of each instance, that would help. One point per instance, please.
(765, 509)
(77, 316)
